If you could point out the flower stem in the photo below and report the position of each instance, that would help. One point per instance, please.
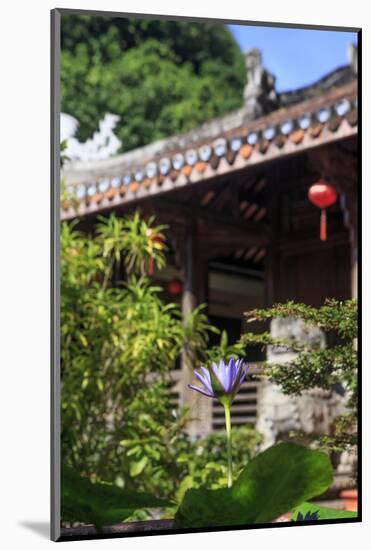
(227, 412)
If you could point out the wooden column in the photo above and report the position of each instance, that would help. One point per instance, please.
(354, 275)
(271, 260)
(189, 298)
(348, 202)
(194, 293)
(354, 254)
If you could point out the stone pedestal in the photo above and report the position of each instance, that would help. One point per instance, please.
(200, 417)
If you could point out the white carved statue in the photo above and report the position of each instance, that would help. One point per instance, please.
(102, 145)
(352, 57)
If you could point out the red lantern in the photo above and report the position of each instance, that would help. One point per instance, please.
(323, 195)
(174, 287)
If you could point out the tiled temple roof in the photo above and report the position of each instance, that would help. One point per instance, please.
(217, 148)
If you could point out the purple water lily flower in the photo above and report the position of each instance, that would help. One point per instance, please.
(221, 381)
(309, 516)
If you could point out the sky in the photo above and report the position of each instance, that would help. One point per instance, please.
(296, 57)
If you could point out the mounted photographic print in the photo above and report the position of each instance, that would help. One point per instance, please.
(205, 187)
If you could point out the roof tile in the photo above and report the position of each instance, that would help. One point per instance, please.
(315, 130)
(246, 151)
(297, 136)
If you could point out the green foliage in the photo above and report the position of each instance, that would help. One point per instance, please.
(323, 512)
(160, 77)
(196, 335)
(333, 315)
(119, 343)
(100, 503)
(225, 350)
(315, 367)
(272, 483)
(62, 148)
(206, 461)
(132, 239)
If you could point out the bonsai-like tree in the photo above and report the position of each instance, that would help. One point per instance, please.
(314, 366)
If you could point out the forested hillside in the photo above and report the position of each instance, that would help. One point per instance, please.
(160, 77)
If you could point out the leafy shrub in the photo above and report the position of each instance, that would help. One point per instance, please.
(119, 343)
(206, 461)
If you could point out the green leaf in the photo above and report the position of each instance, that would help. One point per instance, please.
(323, 512)
(185, 485)
(272, 484)
(83, 339)
(100, 503)
(137, 467)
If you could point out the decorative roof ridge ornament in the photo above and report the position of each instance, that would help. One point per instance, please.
(260, 96)
(352, 54)
(102, 145)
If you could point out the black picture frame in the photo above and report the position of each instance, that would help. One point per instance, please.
(56, 15)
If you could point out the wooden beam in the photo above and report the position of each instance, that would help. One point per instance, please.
(217, 228)
(226, 240)
(260, 255)
(207, 197)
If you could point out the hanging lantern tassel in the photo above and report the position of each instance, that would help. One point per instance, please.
(151, 265)
(323, 225)
(322, 195)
